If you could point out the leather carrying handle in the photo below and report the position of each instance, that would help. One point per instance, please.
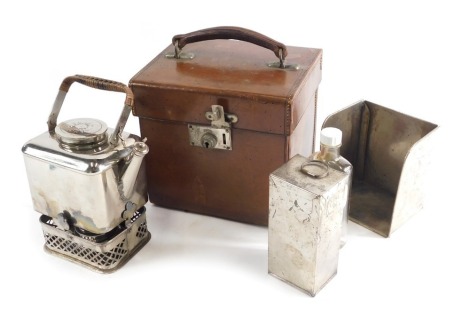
(98, 83)
(230, 32)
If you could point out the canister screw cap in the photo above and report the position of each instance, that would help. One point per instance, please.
(331, 136)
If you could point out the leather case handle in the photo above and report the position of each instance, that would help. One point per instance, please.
(230, 32)
(98, 83)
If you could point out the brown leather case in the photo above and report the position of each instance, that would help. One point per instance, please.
(275, 107)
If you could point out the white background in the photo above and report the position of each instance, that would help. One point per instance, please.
(411, 56)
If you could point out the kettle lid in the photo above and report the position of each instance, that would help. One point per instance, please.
(82, 132)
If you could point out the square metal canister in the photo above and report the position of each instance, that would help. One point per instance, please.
(304, 231)
(391, 154)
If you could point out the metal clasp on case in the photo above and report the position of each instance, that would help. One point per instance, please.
(216, 136)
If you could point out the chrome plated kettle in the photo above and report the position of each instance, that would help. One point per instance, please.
(88, 179)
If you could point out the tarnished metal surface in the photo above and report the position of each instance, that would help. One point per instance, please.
(218, 135)
(210, 137)
(106, 256)
(93, 188)
(305, 216)
(390, 152)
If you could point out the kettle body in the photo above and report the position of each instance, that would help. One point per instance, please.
(83, 174)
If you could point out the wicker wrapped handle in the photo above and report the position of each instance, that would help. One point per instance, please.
(98, 83)
(230, 32)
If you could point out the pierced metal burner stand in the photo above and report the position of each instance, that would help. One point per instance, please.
(105, 253)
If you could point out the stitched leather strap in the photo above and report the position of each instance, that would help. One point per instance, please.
(230, 32)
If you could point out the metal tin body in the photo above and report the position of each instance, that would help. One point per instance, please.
(305, 225)
(391, 154)
(94, 188)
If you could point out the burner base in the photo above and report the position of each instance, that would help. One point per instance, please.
(103, 257)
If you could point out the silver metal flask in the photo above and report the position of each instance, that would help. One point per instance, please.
(306, 206)
(88, 182)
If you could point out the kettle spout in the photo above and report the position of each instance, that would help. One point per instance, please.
(130, 170)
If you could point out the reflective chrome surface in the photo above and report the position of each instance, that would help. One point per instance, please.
(81, 131)
(98, 189)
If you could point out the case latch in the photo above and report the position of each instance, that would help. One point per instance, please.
(218, 135)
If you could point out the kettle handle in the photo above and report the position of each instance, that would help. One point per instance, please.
(98, 83)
